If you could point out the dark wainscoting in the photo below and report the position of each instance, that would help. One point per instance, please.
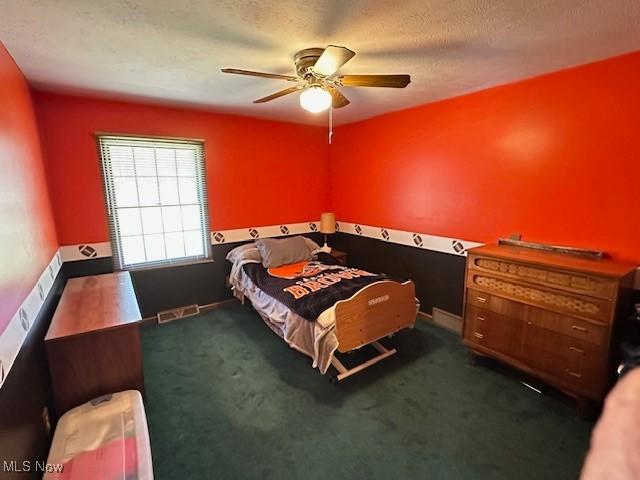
(83, 268)
(26, 392)
(163, 288)
(202, 283)
(167, 287)
(439, 277)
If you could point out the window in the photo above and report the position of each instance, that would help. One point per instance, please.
(156, 200)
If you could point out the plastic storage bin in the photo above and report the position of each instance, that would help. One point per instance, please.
(104, 439)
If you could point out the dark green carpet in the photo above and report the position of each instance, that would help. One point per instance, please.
(226, 398)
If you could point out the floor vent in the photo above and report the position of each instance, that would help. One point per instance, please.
(177, 313)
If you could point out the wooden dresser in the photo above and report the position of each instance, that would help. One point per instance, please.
(93, 343)
(553, 316)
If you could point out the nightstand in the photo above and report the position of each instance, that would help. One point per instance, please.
(340, 256)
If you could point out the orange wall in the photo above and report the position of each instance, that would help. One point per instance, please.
(259, 172)
(555, 158)
(27, 232)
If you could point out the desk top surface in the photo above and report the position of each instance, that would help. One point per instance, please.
(95, 303)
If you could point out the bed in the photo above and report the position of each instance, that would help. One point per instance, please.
(318, 306)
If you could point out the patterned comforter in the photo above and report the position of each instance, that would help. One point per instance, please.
(309, 288)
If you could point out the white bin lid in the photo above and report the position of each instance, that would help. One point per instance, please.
(106, 438)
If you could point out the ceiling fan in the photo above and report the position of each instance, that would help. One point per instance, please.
(316, 76)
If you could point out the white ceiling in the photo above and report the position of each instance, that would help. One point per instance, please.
(171, 51)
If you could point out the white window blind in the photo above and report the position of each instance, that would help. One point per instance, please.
(156, 200)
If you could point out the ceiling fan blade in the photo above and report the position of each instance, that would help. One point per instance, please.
(332, 59)
(339, 100)
(279, 94)
(289, 78)
(390, 81)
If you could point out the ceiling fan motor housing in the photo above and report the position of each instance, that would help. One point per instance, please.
(305, 60)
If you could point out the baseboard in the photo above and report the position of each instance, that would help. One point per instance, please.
(443, 319)
(215, 305)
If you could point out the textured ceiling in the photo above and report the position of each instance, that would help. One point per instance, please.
(172, 50)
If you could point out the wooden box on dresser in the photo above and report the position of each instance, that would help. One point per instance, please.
(554, 316)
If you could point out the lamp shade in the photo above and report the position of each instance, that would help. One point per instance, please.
(328, 223)
(315, 99)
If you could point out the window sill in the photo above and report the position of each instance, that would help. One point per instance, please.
(168, 265)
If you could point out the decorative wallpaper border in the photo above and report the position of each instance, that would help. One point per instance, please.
(252, 233)
(453, 246)
(85, 251)
(14, 333)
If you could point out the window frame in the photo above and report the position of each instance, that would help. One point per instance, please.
(106, 169)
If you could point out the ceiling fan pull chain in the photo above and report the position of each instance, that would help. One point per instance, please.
(330, 124)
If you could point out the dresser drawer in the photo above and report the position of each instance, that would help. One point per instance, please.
(567, 303)
(492, 330)
(569, 326)
(573, 362)
(496, 304)
(591, 285)
(582, 364)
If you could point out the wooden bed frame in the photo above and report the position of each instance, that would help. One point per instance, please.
(378, 310)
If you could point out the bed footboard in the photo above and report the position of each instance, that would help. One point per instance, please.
(376, 311)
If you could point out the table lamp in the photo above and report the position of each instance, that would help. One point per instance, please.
(327, 225)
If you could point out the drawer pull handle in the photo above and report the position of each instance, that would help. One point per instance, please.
(574, 374)
(481, 299)
(576, 349)
(580, 329)
(478, 335)
(482, 319)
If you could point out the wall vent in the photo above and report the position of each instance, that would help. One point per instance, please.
(177, 313)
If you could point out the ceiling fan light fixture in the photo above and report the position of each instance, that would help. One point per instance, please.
(315, 99)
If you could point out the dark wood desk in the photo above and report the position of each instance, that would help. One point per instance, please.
(93, 342)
